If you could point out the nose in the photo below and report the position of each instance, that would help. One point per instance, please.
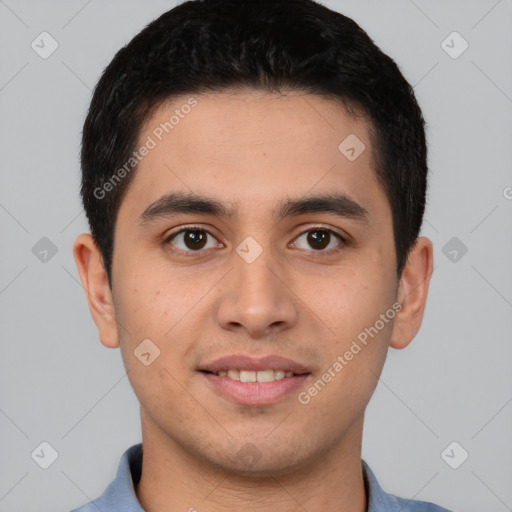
(256, 299)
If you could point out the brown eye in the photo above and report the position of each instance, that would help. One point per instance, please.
(319, 239)
(192, 240)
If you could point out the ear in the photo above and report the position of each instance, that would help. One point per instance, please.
(95, 282)
(412, 292)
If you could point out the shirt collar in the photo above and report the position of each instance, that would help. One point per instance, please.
(120, 494)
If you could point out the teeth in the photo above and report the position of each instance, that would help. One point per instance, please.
(234, 374)
(265, 376)
(255, 376)
(247, 376)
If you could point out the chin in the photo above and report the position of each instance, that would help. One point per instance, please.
(260, 460)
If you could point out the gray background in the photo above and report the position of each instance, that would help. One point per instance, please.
(60, 385)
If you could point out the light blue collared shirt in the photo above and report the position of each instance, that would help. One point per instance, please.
(120, 494)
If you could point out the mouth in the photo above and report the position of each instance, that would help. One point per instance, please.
(254, 381)
(253, 375)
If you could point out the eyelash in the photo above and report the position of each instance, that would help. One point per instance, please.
(342, 240)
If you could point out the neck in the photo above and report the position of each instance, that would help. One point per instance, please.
(176, 479)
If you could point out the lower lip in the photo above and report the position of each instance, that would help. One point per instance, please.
(255, 393)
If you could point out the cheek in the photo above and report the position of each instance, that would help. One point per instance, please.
(154, 342)
(346, 303)
(353, 356)
(146, 299)
(153, 304)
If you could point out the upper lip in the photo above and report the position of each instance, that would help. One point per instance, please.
(244, 362)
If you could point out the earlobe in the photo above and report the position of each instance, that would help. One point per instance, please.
(412, 293)
(97, 290)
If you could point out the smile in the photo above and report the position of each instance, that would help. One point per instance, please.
(254, 376)
(245, 379)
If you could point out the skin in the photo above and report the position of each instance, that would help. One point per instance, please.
(252, 150)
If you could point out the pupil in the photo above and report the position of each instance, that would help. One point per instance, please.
(195, 239)
(319, 239)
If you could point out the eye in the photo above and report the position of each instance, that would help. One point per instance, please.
(192, 239)
(319, 239)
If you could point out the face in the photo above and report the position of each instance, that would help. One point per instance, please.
(249, 247)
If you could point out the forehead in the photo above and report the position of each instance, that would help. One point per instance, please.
(248, 147)
(254, 118)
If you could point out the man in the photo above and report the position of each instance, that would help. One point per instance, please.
(254, 175)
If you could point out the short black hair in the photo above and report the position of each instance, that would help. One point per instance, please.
(269, 45)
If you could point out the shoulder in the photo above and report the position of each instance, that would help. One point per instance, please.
(401, 504)
(120, 495)
(380, 501)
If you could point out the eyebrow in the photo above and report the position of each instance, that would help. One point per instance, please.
(182, 203)
(175, 203)
(338, 204)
